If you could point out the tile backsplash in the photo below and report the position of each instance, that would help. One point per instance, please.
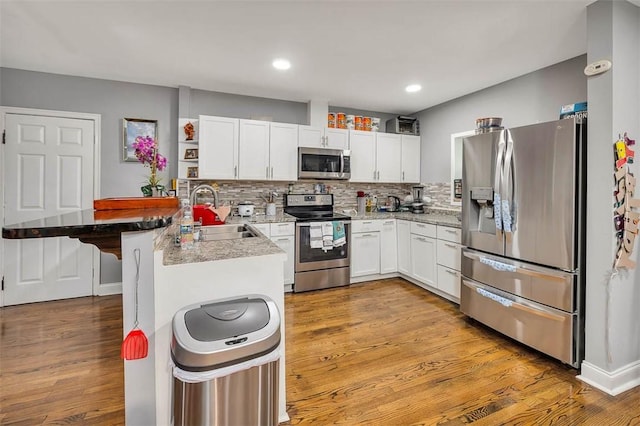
(345, 193)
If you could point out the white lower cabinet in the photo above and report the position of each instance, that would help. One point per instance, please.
(365, 254)
(388, 247)
(404, 246)
(449, 255)
(283, 235)
(423, 259)
(365, 247)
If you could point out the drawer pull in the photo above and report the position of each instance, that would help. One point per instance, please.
(452, 272)
(501, 300)
(498, 266)
(451, 231)
(450, 245)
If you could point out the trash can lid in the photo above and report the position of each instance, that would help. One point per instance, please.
(223, 320)
(224, 332)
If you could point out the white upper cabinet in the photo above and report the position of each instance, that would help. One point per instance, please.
(410, 159)
(388, 157)
(316, 137)
(363, 156)
(283, 151)
(218, 146)
(253, 161)
(375, 157)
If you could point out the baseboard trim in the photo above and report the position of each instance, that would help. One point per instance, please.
(108, 289)
(614, 382)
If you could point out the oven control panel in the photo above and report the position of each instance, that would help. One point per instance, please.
(308, 200)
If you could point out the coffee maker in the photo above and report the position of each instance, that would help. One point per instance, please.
(417, 206)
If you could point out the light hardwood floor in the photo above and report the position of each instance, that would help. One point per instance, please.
(376, 353)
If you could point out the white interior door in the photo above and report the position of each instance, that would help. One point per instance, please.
(48, 170)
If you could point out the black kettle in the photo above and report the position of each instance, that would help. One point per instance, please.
(394, 203)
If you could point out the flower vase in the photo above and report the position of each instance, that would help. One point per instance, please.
(152, 190)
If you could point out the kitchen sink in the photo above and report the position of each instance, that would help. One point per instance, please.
(225, 232)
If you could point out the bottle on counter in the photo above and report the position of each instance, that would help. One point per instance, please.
(186, 226)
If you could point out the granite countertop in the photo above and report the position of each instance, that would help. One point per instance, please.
(205, 251)
(82, 222)
(101, 228)
(433, 218)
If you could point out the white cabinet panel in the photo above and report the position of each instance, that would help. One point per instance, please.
(388, 157)
(449, 254)
(388, 247)
(424, 229)
(423, 259)
(410, 158)
(284, 228)
(404, 246)
(263, 227)
(449, 281)
(365, 226)
(450, 234)
(363, 156)
(365, 253)
(316, 137)
(253, 159)
(218, 156)
(283, 152)
(287, 243)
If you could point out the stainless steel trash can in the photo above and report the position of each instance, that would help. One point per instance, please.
(226, 362)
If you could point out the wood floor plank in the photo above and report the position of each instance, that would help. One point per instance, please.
(376, 353)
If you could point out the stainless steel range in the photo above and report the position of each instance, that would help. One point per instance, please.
(322, 242)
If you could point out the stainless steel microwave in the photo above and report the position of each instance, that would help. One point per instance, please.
(322, 163)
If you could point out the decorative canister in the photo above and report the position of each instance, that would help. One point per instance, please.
(366, 124)
(358, 122)
(341, 120)
(351, 121)
(331, 120)
(375, 124)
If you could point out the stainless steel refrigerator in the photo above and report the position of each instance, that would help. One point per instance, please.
(523, 220)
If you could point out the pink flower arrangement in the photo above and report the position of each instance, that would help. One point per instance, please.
(146, 150)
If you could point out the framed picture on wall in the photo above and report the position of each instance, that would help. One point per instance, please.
(192, 172)
(191, 154)
(131, 129)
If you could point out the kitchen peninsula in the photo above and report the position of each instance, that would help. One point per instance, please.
(169, 279)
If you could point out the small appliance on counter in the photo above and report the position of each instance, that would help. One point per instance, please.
(393, 203)
(245, 209)
(417, 206)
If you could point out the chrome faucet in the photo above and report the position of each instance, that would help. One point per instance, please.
(204, 186)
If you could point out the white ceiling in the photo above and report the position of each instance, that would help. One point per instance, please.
(358, 54)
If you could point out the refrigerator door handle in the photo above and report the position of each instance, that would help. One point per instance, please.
(497, 186)
(507, 185)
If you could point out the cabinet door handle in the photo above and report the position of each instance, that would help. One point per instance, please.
(403, 176)
(267, 172)
(282, 239)
(450, 245)
(451, 272)
(388, 222)
(366, 222)
(235, 171)
(451, 231)
(374, 175)
(272, 173)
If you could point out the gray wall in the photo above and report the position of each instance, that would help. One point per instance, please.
(532, 98)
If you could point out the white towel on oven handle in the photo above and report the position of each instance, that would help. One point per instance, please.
(327, 235)
(315, 235)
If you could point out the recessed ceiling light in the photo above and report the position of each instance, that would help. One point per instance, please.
(413, 88)
(281, 64)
